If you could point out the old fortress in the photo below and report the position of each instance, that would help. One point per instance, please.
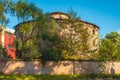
(8, 36)
(93, 29)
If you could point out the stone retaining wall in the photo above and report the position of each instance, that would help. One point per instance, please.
(62, 67)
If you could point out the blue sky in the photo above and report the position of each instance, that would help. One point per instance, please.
(104, 13)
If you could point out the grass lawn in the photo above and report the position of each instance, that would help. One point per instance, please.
(58, 77)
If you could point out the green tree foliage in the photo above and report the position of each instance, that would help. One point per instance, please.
(74, 43)
(22, 9)
(51, 42)
(78, 41)
(25, 10)
(73, 14)
(39, 39)
(4, 7)
(3, 54)
(25, 44)
(110, 47)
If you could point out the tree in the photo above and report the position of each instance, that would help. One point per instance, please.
(31, 40)
(73, 14)
(74, 39)
(2, 53)
(22, 9)
(110, 47)
(38, 39)
(3, 10)
(48, 38)
(25, 43)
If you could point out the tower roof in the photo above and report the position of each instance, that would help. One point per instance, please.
(59, 15)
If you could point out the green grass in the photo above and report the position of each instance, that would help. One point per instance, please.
(56, 77)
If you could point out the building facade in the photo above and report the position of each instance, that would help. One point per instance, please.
(7, 41)
(93, 30)
(64, 23)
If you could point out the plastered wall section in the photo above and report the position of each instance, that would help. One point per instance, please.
(62, 67)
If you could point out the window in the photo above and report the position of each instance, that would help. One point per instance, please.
(9, 47)
(9, 35)
(93, 31)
